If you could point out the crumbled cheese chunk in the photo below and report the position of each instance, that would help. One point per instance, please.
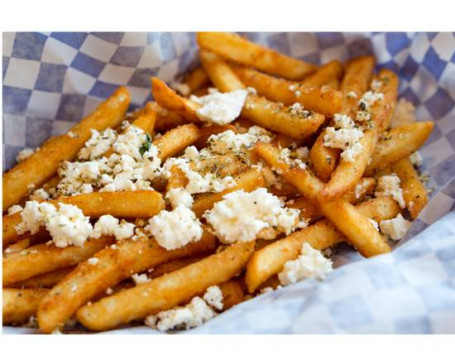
(345, 136)
(67, 225)
(310, 263)
(14, 209)
(39, 195)
(140, 279)
(175, 229)
(374, 223)
(98, 144)
(197, 312)
(24, 154)
(404, 113)
(416, 158)
(242, 216)
(220, 108)
(352, 94)
(390, 186)
(72, 134)
(182, 88)
(178, 196)
(229, 141)
(366, 102)
(93, 261)
(360, 189)
(109, 225)
(109, 291)
(297, 109)
(395, 228)
(286, 156)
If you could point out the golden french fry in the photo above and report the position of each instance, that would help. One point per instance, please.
(248, 181)
(45, 280)
(219, 72)
(176, 140)
(367, 188)
(167, 291)
(173, 265)
(17, 247)
(332, 84)
(348, 173)
(146, 121)
(196, 79)
(327, 73)
(399, 143)
(87, 281)
(169, 99)
(207, 131)
(233, 293)
(9, 224)
(356, 81)
(177, 179)
(20, 304)
(324, 101)
(355, 226)
(270, 260)
(238, 49)
(166, 119)
(414, 192)
(44, 258)
(43, 164)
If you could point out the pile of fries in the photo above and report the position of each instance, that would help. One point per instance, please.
(336, 151)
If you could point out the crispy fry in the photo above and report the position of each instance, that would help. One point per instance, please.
(196, 79)
(325, 74)
(177, 179)
(399, 143)
(44, 258)
(414, 192)
(348, 173)
(43, 164)
(169, 99)
(367, 188)
(270, 260)
(176, 140)
(207, 131)
(173, 265)
(17, 247)
(332, 84)
(167, 291)
(20, 304)
(146, 121)
(233, 293)
(248, 181)
(166, 119)
(323, 159)
(238, 49)
(9, 224)
(45, 280)
(324, 101)
(219, 72)
(356, 227)
(113, 266)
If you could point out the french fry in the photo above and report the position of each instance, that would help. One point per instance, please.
(248, 181)
(146, 121)
(348, 173)
(327, 73)
(9, 224)
(324, 101)
(17, 247)
(270, 260)
(20, 304)
(45, 280)
(173, 265)
(399, 143)
(332, 84)
(238, 49)
(414, 192)
(177, 178)
(259, 110)
(44, 258)
(167, 291)
(358, 72)
(367, 188)
(196, 79)
(207, 131)
(169, 99)
(233, 293)
(43, 164)
(113, 266)
(356, 227)
(166, 119)
(176, 140)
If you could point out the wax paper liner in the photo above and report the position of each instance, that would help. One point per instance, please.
(50, 80)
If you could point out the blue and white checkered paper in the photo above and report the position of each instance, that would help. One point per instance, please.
(50, 80)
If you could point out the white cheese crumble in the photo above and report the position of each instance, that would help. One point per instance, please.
(352, 94)
(416, 159)
(366, 103)
(310, 263)
(182, 88)
(175, 229)
(374, 223)
(345, 135)
(110, 225)
(24, 154)
(197, 312)
(93, 261)
(390, 186)
(14, 209)
(395, 228)
(39, 195)
(67, 225)
(244, 216)
(98, 144)
(178, 196)
(72, 134)
(289, 157)
(229, 141)
(220, 108)
(140, 279)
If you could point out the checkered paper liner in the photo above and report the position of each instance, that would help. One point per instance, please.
(50, 80)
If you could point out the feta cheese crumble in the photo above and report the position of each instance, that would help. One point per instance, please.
(244, 216)
(93, 261)
(197, 312)
(182, 88)
(14, 209)
(109, 225)
(310, 263)
(390, 186)
(140, 279)
(229, 141)
(175, 229)
(395, 228)
(344, 135)
(66, 224)
(178, 196)
(220, 108)
(367, 101)
(24, 154)
(416, 159)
